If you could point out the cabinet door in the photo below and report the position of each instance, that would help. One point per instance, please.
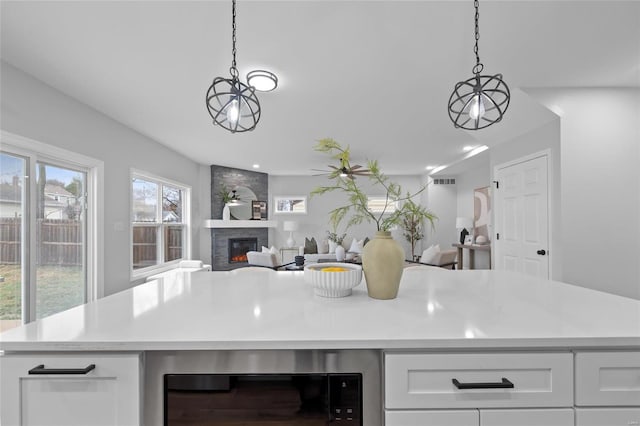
(65, 390)
(431, 418)
(607, 416)
(608, 378)
(546, 417)
(485, 380)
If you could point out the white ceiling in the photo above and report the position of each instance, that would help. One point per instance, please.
(375, 75)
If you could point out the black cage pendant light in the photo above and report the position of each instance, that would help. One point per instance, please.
(232, 104)
(482, 100)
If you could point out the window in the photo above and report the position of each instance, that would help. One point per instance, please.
(381, 204)
(159, 223)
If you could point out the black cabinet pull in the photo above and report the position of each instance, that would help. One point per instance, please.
(541, 252)
(39, 369)
(504, 384)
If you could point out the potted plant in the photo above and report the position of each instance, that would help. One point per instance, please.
(413, 217)
(226, 197)
(335, 242)
(382, 257)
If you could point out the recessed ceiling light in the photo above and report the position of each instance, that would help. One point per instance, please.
(256, 166)
(468, 148)
(430, 167)
(261, 80)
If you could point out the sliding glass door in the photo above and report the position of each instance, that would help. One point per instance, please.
(60, 239)
(13, 169)
(43, 238)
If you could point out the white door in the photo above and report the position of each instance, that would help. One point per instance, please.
(522, 217)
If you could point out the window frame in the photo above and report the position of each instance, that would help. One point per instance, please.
(160, 226)
(391, 208)
(36, 151)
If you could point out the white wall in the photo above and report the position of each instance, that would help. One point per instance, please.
(600, 133)
(442, 200)
(34, 110)
(316, 222)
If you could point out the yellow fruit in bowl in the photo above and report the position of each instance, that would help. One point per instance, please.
(334, 269)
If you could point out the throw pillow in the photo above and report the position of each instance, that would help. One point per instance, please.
(310, 246)
(429, 255)
(323, 247)
(356, 246)
(332, 246)
(274, 250)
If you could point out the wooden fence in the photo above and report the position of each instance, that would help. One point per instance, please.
(60, 241)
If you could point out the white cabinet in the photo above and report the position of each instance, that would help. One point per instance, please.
(610, 383)
(66, 389)
(479, 389)
(607, 416)
(432, 418)
(608, 378)
(486, 380)
(528, 417)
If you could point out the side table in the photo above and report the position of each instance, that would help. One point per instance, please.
(288, 254)
(472, 253)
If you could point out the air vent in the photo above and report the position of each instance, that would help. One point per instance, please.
(444, 181)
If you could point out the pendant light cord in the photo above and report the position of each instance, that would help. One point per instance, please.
(233, 70)
(477, 69)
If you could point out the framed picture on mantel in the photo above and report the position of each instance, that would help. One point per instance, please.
(259, 210)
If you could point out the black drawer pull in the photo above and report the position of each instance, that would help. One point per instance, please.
(39, 369)
(504, 384)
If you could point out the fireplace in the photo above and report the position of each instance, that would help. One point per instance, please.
(238, 248)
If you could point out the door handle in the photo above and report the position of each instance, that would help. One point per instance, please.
(40, 369)
(541, 252)
(503, 384)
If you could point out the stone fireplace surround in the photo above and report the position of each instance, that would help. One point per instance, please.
(231, 178)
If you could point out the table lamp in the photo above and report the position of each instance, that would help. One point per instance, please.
(464, 223)
(289, 225)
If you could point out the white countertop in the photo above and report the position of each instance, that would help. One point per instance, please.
(249, 309)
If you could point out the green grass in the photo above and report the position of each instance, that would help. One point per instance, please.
(58, 288)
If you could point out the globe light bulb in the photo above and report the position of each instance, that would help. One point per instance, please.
(233, 112)
(476, 110)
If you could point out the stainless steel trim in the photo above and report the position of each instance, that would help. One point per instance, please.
(367, 362)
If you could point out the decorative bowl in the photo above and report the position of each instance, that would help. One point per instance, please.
(333, 279)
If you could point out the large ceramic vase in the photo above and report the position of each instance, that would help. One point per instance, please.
(383, 263)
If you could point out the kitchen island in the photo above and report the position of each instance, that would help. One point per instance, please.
(461, 315)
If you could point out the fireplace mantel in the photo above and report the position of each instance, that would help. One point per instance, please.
(216, 223)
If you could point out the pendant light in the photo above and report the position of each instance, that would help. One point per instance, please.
(482, 100)
(232, 104)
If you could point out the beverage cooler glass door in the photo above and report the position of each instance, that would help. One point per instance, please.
(314, 399)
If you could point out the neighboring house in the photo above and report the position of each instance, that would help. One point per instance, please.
(58, 202)
(10, 199)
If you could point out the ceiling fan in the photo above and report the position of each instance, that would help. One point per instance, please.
(345, 169)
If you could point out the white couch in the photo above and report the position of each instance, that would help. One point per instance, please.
(268, 260)
(316, 257)
(271, 260)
